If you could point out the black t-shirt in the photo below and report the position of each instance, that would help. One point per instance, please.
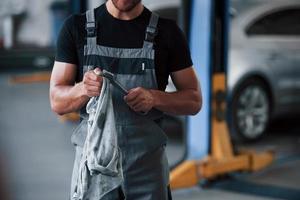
(171, 49)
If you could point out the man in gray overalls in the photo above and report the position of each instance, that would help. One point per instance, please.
(141, 50)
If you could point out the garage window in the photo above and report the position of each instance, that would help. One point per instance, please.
(284, 23)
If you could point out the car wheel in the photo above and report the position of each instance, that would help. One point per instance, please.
(250, 111)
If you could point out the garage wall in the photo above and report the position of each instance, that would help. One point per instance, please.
(36, 27)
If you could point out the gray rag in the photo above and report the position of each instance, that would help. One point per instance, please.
(101, 157)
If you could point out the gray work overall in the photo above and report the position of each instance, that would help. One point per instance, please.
(140, 138)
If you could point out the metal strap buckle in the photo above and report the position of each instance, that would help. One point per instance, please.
(151, 32)
(150, 29)
(91, 29)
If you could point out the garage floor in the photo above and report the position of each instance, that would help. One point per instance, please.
(37, 157)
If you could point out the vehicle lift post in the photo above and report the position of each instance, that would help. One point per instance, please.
(221, 158)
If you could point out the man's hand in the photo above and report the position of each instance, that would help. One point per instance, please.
(187, 100)
(140, 99)
(92, 83)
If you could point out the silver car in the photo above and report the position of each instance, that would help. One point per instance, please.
(264, 64)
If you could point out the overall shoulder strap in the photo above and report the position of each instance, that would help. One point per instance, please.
(151, 31)
(91, 28)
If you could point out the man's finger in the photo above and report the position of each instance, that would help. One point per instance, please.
(135, 101)
(93, 88)
(94, 94)
(138, 107)
(132, 94)
(92, 83)
(97, 71)
(93, 76)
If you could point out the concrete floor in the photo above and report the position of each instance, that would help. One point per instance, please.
(38, 156)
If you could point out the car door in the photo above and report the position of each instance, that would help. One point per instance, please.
(277, 35)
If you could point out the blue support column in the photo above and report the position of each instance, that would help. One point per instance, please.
(198, 133)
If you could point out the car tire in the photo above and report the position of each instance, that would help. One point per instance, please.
(250, 111)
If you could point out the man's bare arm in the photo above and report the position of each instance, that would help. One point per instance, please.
(65, 95)
(187, 100)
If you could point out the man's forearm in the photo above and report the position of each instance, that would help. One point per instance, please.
(66, 99)
(185, 102)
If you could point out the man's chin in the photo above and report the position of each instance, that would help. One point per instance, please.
(125, 5)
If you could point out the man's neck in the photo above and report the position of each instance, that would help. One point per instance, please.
(135, 12)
